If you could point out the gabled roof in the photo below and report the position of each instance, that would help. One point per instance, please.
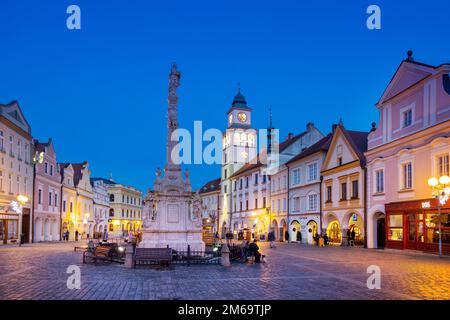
(321, 145)
(77, 169)
(42, 146)
(211, 186)
(417, 69)
(14, 114)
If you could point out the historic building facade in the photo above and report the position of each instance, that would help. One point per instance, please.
(47, 194)
(239, 144)
(259, 203)
(210, 196)
(304, 192)
(410, 145)
(16, 175)
(69, 200)
(343, 187)
(101, 206)
(125, 212)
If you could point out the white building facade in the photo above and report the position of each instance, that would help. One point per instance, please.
(101, 206)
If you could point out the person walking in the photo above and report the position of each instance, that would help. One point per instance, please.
(353, 235)
(271, 238)
(76, 235)
(349, 235)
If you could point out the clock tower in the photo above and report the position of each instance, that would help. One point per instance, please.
(239, 147)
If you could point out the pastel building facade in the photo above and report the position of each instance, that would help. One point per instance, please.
(125, 209)
(343, 186)
(47, 194)
(410, 145)
(101, 206)
(305, 192)
(16, 174)
(69, 200)
(210, 196)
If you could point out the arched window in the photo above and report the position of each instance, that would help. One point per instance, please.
(111, 212)
(111, 198)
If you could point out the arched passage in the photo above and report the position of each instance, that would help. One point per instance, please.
(379, 230)
(283, 229)
(311, 229)
(38, 230)
(353, 226)
(333, 228)
(294, 228)
(274, 228)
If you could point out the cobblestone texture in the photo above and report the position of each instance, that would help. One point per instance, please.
(292, 271)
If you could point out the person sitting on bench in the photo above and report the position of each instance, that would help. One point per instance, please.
(253, 249)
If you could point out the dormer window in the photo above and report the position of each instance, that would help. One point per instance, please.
(407, 118)
(339, 161)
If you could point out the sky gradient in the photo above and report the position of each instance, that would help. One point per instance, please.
(100, 92)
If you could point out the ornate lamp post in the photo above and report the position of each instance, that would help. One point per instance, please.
(441, 191)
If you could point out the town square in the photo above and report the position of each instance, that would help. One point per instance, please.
(176, 151)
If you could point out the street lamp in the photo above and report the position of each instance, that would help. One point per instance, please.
(441, 191)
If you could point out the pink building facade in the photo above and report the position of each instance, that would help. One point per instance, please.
(410, 145)
(47, 194)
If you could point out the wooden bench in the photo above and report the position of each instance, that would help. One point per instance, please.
(153, 255)
(82, 248)
(100, 252)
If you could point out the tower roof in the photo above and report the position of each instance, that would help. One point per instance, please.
(239, 100)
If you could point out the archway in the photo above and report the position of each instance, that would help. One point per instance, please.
(47, 231)
(283, 229)
(353, 225)
(333, 228)
(54, 230)
(295, 227)
(260, 230)
(274, 228)
(379, 230)
(38, 230)
(312, 230)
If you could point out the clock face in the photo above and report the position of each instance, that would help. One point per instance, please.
(230, 118)
(242, 116)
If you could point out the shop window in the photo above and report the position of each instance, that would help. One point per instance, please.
(395, 227)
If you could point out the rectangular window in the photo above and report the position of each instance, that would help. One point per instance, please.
(225, 173)
(407, 175)
(278, 205)
(39, 196)
(46, 167)
(2, 145)
(64, 206)
(284, 182)
(273, 205)
(256, 178)
(56, 199)
(240, 184)
(51, 170)
(379, 181)
(246, 204)
(264, 179)
(264, 202)
(339, 161)
(240, 206)
(296, 203)
(395, 225)
(344, 191)
(312, 172)
(355, 189)
(49, 198)
(246, 182)
(407, 118)
(71, 206)
(443, 165)
(256, 203)
(312, 202)
(329, 194)
(284, 204)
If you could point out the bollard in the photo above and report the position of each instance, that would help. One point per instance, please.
(129, 256)
(225, 256)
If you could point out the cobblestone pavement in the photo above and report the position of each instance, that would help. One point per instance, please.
(292, 271)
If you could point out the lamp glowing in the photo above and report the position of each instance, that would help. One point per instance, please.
(444, 180)
(432, 182)
(22, 199)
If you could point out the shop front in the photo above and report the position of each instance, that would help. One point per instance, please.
(9, 228)
(414, 225)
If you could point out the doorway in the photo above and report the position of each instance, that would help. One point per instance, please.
(381, 233)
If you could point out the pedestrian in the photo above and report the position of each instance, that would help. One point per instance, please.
(299, 236)
(76, 235)
(353, 235)
(325, 239)
(67, 235)
(105, 236)
(349, 235)
(271, 238)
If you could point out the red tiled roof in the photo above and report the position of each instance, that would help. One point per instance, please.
(213, 185)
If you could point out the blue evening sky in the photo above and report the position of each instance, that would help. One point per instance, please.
(100, 92)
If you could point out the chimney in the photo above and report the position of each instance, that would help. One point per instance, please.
(333, 128)
(290, 136)
(374, 127)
